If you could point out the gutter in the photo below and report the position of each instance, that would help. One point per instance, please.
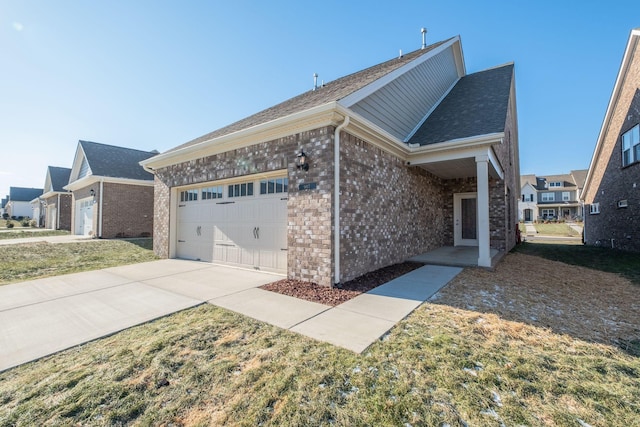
(336, 200)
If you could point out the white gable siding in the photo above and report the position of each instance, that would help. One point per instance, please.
(84, 169)
(403, 103)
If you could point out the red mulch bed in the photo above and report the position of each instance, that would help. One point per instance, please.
(333, 296)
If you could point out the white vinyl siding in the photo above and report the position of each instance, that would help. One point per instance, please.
(631, 146)
(401, 105)
(84, 169)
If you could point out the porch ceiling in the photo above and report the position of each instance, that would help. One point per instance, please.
(456, 168)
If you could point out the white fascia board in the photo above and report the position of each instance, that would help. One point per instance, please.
(456, 144)
(496, 163)
(617, 87)
(374, 86)
(93, 179)
(313, 118)
(51, 194)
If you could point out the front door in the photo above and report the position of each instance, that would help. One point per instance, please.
(527, 215)
(465, 219)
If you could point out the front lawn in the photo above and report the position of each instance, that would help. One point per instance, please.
(556, 229)
(603, 259)
(30, 232)
(35, 260)
(535, 342)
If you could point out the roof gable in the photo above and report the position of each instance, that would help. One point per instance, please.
(335, 90)
(477, 105)
(402, 103)
(22, 194)
(57, 178)
(104, 160)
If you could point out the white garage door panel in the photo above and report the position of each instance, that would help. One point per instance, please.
(248, 232)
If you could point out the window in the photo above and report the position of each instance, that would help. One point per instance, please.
(594, 208)
(275, 185)
(241, 190)
(548, 197)
(631, 146)
(566, 196)
(555, 184)
(209, 193)
(189, 195)
(548, 213)
(623, 204)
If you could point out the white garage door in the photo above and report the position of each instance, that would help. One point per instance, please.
(243, 224)
(84, 216)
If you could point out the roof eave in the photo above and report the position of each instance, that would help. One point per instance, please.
(313, 118)
(624, 65)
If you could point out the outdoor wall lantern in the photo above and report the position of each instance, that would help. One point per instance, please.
(93, 194)
(302, 162)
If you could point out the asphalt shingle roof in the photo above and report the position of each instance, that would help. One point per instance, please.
(22, 194)
(332, 91)
(116, 162)
(59, 177)
(477, 105)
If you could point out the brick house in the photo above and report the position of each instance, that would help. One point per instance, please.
(56, 201)
(365, 171)
(112, 195)
(612, 188)
(551, 196)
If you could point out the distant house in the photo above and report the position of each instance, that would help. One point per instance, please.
(401, 158)
(3, 203)
(612, 189)
(19, 203)
(112, 193)
(551, 196)
(56, 200)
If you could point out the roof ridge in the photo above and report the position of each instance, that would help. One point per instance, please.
(115, 146)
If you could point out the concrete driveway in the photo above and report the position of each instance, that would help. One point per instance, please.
(44, 316)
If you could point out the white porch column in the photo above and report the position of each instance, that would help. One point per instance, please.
(482, 174)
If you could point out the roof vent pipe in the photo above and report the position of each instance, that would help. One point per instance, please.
(424, 37)
(400, 56)
(315, 81)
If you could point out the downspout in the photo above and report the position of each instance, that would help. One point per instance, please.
(58, 213)
(101, 199)
(336, 200)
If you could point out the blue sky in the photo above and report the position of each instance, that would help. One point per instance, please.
(155, 74)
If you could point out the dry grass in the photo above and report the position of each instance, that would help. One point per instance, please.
(510, 347)
(35, 260)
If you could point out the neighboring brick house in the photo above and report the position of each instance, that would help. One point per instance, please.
(112, 193)
(19, 202)
(365, 171)
(551, 196)
(56, 201)
(612, 188)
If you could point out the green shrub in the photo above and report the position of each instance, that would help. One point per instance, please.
(33, 223)
(9, 224)
(25, 221)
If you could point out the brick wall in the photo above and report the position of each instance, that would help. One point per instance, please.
(63, 216)
(389, 211)
(127, 210)
(309, 211)
(610, 181)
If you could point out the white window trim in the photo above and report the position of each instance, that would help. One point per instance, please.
(545, 197)
(566, 196)
(634, 131)
(594, 208)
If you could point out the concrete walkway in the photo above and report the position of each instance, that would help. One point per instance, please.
(49, 239)
(44, 316)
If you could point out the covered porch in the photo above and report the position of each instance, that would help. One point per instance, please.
(465, 159)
